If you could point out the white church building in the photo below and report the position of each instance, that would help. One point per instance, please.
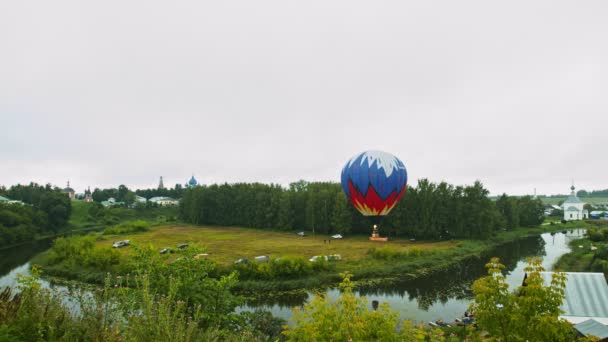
(573, 208)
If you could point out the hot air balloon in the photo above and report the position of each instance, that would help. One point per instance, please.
(374, 181)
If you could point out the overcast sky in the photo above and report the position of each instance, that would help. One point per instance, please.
(512, 93)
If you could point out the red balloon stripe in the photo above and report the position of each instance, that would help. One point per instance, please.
(372, 204)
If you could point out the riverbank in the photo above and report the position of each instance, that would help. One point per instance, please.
(371, 263)
(588, 254)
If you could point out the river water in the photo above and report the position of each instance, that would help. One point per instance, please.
(442, 295)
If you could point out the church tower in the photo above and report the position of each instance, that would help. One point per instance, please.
(161, 186)
(88, 196)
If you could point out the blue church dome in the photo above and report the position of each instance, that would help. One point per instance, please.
(192, 181)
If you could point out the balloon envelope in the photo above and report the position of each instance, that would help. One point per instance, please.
(374, 181)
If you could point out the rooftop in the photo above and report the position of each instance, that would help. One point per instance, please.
(586, 296)
(592, 327)
(572, 199)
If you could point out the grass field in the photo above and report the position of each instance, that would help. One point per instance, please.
(555, 200)
(227, 244)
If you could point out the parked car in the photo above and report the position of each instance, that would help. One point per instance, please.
(301, 234)
(202, 255)
(262, 258)
(122, 243)
(318, 257)
(337, 236)
(242, 261)
(334, 257)
(182, 245)
(166, 250)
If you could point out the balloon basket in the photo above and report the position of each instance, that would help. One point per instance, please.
(377, 238)
(376, 235)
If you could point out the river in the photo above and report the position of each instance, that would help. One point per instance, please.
(442, 295)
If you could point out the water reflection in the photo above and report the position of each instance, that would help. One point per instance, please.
(15, 260)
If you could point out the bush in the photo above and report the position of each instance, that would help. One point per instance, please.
(597, 235)
(128, 227)
(81, 251)
(388, 253)
(385, 253)
(281, 268)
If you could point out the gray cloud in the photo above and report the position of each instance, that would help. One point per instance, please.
(512, 94)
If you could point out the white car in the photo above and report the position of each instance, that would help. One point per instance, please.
(122, 243)
(318, 257)
(301, 234)
(337, 236)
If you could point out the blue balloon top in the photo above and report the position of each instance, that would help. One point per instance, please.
(383, 171)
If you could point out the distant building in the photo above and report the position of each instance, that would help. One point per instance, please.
(69, 191)
(139, 199)
(164, 201)
(88, 196)
(574, 208)
(111, 202)
(192, 183)
(10, 201)
(161, 186)
(586, 296)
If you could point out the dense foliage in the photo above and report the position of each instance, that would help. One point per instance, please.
(46, 211)
(594, 193)
(594, 256)
(117, 312)
(520, 211)
(429, 210)
(55, 204)
(281, 268)
(94, 214)
(20, 223)
(529, 314)
(349, 319)
(128, 227)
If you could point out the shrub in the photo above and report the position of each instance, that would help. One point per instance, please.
(385, 253)
(281, 268)
(597, 235)
(81, 251)
(128, 227)
(289, 267)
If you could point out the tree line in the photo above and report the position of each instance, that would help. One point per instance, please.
(124, 194)
(46, 210)
(426, 211)
(593, 193)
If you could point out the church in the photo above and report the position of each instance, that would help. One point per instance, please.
(574, 208)
(192, 183)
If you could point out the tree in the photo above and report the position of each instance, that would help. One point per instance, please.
(341, 218)
(285, 217)
(122, 193)
(531, 211)
(349, 319)
(530, 313)
(57, 206)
